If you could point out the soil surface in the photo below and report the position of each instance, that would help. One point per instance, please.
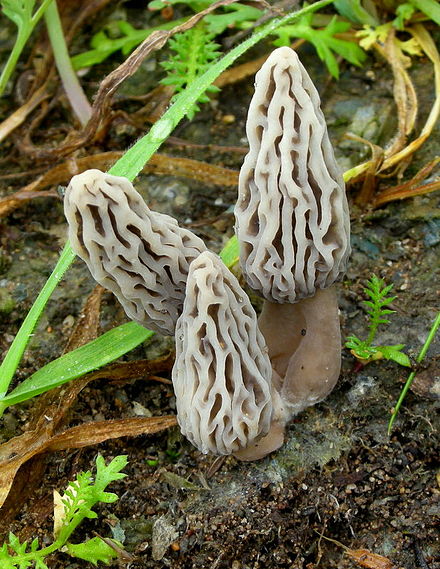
(338, 475)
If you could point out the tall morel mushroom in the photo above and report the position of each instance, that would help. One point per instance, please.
(293, 228)
(140, 255)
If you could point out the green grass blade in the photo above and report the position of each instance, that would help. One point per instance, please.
(13, 357)
(76, 363)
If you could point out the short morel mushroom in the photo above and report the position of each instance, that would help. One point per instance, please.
(140, 255)
(222, 374)
(293, 228)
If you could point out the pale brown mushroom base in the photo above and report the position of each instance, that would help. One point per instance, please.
(304, 343)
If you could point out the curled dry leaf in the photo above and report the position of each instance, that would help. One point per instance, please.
(365, 558)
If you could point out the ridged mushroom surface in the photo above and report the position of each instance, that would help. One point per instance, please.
(140, 255)
(222, 373)
(292, 218)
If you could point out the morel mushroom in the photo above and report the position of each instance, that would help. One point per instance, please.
(293, 227)
(222, 374)
(237, 382)
(140, 255)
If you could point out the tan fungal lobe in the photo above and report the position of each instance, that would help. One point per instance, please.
(222, 374)
(292, 218)
(140, 255)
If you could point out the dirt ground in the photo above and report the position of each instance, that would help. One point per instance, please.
(338, 475)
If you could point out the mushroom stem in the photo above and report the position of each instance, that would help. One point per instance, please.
(304, 343)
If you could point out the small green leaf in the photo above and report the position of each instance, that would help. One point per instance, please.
(403, 13)
(93, 550)
(236, 16)
(395, 354)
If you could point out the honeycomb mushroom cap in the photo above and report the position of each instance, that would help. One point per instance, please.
(292, 219)
(222, 373)
(140, 255)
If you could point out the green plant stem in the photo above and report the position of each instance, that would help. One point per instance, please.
(13, 357)
(412, 375)
(22, 36)
(129, 165)
(372, 334)
(71, 84)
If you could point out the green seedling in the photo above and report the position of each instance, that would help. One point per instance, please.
(364, 350)
(77, 504)
(324, 40)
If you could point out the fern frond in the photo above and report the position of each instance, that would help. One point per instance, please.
(193, 52)
(377, 291)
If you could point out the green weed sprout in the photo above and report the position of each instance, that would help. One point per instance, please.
(21, 13)
(376, 309)
(129, 165)
(77, 504)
